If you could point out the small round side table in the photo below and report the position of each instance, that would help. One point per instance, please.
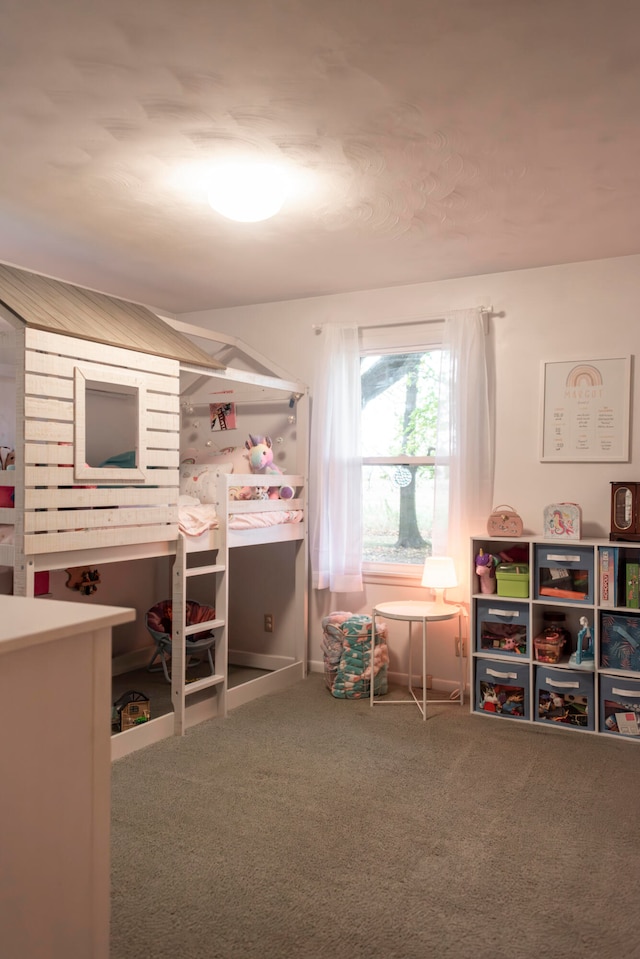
(414, 611)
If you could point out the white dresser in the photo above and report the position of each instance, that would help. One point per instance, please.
(55, 762)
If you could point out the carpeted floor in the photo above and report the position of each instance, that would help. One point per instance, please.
(158, 691)
(303, 827)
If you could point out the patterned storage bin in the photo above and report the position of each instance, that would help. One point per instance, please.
(620, 641)
(346, 649)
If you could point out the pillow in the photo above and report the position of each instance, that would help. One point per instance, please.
(237, 456)
(199, 480)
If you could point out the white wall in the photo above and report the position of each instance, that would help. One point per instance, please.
(574, 311)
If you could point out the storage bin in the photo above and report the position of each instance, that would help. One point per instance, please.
(502, 688)
(346, 647)
(549, 647)
(620, 705)
(565, 697)
(502, 628)
(513, 580)
(564, 573)
(620, 641)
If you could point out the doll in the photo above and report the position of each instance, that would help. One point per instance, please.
(486, 571)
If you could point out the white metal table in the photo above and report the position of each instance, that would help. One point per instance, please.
(415, 611)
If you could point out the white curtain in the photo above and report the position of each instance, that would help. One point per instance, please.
(464, 453)
(335, 461)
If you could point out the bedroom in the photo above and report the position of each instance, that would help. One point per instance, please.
(528, 202)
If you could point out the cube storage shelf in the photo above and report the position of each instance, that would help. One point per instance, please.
(578, 590)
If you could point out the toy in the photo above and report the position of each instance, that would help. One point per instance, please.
(584, 657)
(490, 701)
(84, 580)
(512, 644)
(514, 704)
(261, 461)
(486, 571)
(248, 492)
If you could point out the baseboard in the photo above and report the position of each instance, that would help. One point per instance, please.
(239, 657)
(127, 662)
(402, 679)
(269, 683)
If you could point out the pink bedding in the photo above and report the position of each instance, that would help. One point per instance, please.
(268, 518)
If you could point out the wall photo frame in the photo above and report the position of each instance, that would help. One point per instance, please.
(585, 414)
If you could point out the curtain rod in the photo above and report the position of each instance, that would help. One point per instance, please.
(485, 311)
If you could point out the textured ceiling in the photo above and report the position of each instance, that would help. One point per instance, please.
(437, 139)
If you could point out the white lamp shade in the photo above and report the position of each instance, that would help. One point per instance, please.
(439, 572)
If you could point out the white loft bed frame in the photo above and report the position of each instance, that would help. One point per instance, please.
(62, 518)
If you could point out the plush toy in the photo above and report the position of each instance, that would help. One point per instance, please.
(486, 571)
(248, 492)
(261, 461)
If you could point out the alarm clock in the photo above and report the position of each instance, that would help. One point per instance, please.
(625, 518)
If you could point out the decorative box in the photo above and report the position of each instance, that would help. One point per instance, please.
(562, 521)
(513, 580)
(504, 521)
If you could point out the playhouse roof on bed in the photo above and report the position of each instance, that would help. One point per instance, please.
(46, 304)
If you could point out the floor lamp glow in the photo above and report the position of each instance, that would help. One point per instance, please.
(439, 573)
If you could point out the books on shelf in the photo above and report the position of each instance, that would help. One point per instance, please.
(632, 594)
(608, 573)
(619, 579)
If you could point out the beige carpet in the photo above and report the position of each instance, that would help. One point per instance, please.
(304, 826)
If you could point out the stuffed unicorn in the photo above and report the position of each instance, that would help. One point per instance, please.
(261, 461)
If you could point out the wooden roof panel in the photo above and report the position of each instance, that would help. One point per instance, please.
(43, 303)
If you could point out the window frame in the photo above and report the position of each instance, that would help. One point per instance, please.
(116, 382)
(411, 337)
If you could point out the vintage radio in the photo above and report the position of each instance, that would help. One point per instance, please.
(625, 516)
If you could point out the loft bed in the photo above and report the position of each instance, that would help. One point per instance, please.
(79, 385)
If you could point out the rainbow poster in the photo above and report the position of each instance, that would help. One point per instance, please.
(585, 410)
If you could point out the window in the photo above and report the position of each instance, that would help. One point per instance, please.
(399, 391)
(108, 427)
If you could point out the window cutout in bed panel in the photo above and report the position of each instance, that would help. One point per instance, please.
(108, 431)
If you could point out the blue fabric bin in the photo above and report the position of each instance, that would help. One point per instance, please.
(502, 688)
(564, 697)
(620, 705)
(564, 573)
(502, 628)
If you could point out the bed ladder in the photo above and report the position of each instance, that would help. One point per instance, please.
(181, 688)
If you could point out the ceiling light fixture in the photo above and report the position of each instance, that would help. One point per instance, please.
(248, 191)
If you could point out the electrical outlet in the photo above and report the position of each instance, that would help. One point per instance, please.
(461, 643)
(268, 622)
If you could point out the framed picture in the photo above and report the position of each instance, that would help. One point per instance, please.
(586, 411)
(222, 416)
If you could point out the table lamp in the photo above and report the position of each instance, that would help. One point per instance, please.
(439, 573)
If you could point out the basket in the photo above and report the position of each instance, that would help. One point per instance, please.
(548, 648)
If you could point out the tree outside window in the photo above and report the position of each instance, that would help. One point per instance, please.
(399, 423)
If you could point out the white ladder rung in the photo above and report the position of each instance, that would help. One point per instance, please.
(203, 627)
(201, 570)
(205, 683)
